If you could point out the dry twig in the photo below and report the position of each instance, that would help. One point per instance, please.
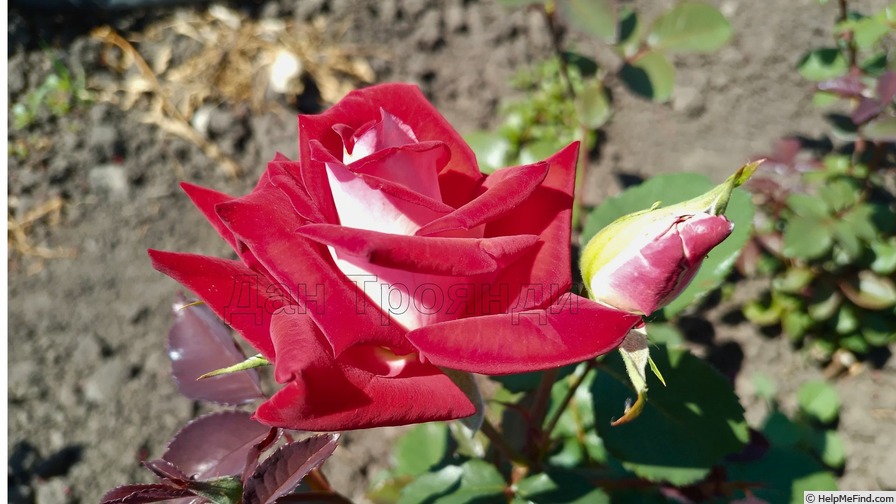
(17, 235)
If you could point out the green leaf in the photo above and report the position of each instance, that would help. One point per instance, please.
(867, 31)
(651, 76)
(560, 486)
(846, 321)
(824, 303)
(847, 239)
(805, 205)
(884, 256)
(876, 65)
(679, 187)
(764, 386)
(855, 343)
(830, 448)
(861, 219)
(880, 130)
(690, 27)
(473, 481)
(527, 382)
(796, 324)
(762, 313)
(519, 3)
(806, 238)
(870, 291)
(819, 400)
(780, 430)
(539, 150)
(629, 32)
(794, 280)
(592, 105)
(593, 17)
(665, 334)
(782, 475)
(685, 427)
(491, 149)
(421, 448)
(878, 329)
(823, 64)
(824, 99)
(841, 193)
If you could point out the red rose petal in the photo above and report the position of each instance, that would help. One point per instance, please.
(324, 394)
(507, 189)
(571, 330)
(546, 213)
(265, 221)
(459, 180)
(243, 298)
(468, 256)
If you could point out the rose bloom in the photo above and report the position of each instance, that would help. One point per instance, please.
(382, 256)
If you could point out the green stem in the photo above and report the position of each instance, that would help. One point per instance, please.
(552, 422)
(548, 11)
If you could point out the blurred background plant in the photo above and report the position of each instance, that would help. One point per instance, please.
(57, 95)
(667, 453)
(825, 235)
(566, 97)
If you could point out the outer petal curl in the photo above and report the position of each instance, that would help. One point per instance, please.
(571, 330)
(355, 391)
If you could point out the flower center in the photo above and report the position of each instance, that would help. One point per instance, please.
(378, 360)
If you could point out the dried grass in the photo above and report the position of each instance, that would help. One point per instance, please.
(18, 238)
(231, 66)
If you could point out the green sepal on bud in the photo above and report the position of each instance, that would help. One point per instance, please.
(250, 363)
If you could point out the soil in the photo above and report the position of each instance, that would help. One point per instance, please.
(90, 393)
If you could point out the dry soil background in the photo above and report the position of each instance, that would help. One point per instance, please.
(89, 387)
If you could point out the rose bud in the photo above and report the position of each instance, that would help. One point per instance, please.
(642, 261)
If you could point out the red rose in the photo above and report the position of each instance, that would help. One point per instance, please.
(383, 255)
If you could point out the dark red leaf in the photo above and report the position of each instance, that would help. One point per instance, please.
(257, 450)
(282, 472)
(748, 260)
(215, 445)
(867, 109)
(166, 470)
(138, 494)
(314, 498)
(847, 86)
(199, 342)
(886, 87)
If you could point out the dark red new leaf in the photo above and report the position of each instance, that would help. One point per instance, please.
(215, 445)
(257, 450)
(886, 87)
(282, 472)
(167, 471)
(138, 494)
(199, 342)
(847, 86)
(867, 109)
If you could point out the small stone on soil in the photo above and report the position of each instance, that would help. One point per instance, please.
(104, 383)
(111, 180)
(54, 491)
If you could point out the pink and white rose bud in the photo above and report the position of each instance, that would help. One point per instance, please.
(642, 261)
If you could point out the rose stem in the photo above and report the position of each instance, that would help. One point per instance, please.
(552, 422)
(540, 410)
